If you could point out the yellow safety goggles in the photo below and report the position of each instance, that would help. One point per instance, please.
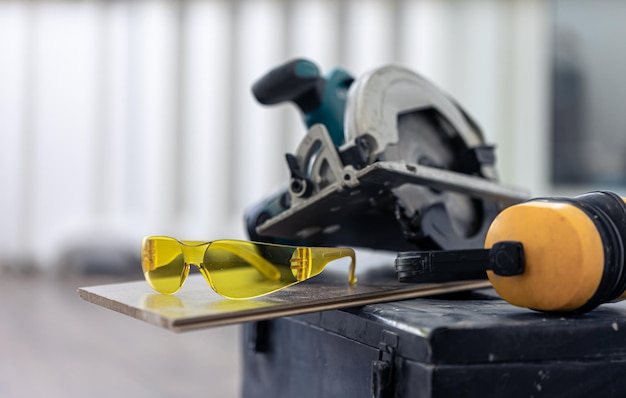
(234, 269)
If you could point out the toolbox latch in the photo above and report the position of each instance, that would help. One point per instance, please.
(382, 368)
(259, 338)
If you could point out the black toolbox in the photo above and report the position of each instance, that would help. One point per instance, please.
(465, 345)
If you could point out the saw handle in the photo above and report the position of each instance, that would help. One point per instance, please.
(296, 81)
(321, 99)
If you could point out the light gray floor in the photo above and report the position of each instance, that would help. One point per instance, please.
(54, 344)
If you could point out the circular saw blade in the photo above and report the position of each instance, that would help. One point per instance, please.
(424, 138)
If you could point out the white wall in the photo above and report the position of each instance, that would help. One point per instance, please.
(123, 119)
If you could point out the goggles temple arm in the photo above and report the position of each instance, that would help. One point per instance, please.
(332, 254)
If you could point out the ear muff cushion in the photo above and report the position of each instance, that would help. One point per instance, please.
(615, 209)
(564, 251)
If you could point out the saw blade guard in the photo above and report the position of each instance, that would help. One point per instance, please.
(407, 118)
(376, 100)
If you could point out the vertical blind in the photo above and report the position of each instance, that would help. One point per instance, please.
(126, 118)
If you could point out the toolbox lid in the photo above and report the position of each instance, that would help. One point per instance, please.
(481, 328)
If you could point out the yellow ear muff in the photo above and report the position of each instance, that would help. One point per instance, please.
(548, 254)
(573, 248)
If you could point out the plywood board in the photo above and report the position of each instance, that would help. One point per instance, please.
(196, 306)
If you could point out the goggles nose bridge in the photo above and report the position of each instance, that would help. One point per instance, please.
(194, 254)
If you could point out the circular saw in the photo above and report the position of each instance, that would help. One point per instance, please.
(388, 162)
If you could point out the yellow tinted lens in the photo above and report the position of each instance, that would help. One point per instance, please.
(163, 264)
(240, 269)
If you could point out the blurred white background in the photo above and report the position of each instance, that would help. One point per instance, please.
(120, 119)
(127, 118)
